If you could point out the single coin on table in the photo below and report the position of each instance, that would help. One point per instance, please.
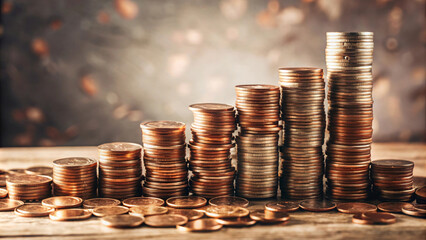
(282, 206)
(395, 207)
(236, 222)
(373, 218)
(421, 195)
(417, 210)
(191, 214)
(9, 204)
(109, 210)
(143, 201)
(39, 170)
(100, 202)
(122, 221)
(266, 216)
(229, 201)
(226, 211)
(315, 205)
(165, 220)
(186, 202)
(3, 193)
(147, 210)
(70, 214)
(33, 210)
(200, 225)
(356, 207)
(62, 202)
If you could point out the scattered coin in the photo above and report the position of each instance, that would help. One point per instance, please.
(100, 202)
(33, 210)
(373, 218)
(122, 221)
(395, 207)
(417, 210)
(236, 222)
(314, 205)
(62, 202)
(165, 220)
(148, 210)
(186, 202)
(356, 207)
(191, 214)
(9, 204)
(421, 195)
(282, 206)
(226, 211)
(70, 214)
(200, 225)
(229, 201)
(109, 210)
(143, 201)
(40, 170)
(265, 216)
(3, 193)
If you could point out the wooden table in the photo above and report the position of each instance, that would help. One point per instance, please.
(304, 225)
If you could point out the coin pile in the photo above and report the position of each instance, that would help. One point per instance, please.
(120, 170)
(302, 106)
(349, 57)
(258, 114)
(28, 187)
(164, 159)
(75, 177)
(210, 146)
(393, 179)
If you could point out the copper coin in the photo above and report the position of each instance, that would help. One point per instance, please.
(226, 211)
(148, 210)
(229, 201)
(9, 204)
(120, 147)
(143, 201)
(165, 220)
(3, 193)
(236, 222)
(200, 225)
(418, 210)
(266, 216)
(23, 180)
(191, 214)
(421, 193)
(314, 205)
(282, 206)
(373, 218)
(395, 207)
(39, 170)
(356, 207)
(70, 214)
(62, 202)
(109, 210)
(33, 210)
(186, 202)
(100, 202)
(122, 221)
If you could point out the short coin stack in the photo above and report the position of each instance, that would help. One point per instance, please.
(210, 160)
(302, 104)
(164, 159)
(29, 187)
(120, 170)
(258, 114)
(349, 58)
(75, 177)
(393, 179)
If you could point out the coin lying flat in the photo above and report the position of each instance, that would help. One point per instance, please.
(236, 222)
(395, 207)
(9, 204)
(62, 202)
(229, 201)
(143, 201)
(70, 214)
(421, 195)
(356, 207)
(417, 210)
(282, 206)
(109, 210)
(3, 193)
(122, 221)
(100, 202)
(165, 220)
(373, 218)
(186, 202)
(191, 214)
(314, 205)
(266, 216)
(200, 225)
(33, 210)
(226, 211)
(147, 210)
(39, 170)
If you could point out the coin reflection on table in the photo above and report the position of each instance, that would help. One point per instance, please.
(200, 225)
(70, 214)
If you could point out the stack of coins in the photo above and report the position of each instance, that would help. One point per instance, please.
(164, 159)
(258, 114)
(349, 59)
(393, 179)
(120, 170)
(210, 160)
(29, 187)
(75, 177)
(303, 117)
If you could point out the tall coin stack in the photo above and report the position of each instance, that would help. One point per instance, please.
(210, 160)
(258, 114)
(303, 115)
(120, 170)
(349, 57)
(75, 176)
(164, 159)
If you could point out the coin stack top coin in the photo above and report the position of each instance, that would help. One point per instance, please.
(349, 57)
(302, 106)
(210, 160)
(258, 114)
(393, 179)
(28, 187)
(120, 170)
(164, 159)
(75, 177)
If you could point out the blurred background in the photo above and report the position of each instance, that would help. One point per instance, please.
(78, 72)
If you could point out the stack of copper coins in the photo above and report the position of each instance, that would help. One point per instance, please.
(303, 93)
(164, 159)
(212, 140)
(258, 114)
(349, 57)
(75, 177)
(120, 170)
(393, 179)
(29, 187)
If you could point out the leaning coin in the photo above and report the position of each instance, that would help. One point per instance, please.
(236, 222)
(265, 216)
(191, 214)
(229, 201)
(226, 211)
(200, 225)
(3, 193)
(33, 210)
(356, 207)
(165, 220)
(109, 210)
(143, 201)
(100, 202)
(70, 214)
(147, 210)
(62, 202)
(186, 202)
(314, 205)
(282, 206)
(395, 207)
(122, 221)
(9, 204)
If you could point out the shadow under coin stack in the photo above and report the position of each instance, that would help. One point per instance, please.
(120, 170)
(349, 58)
(258, 114)
(210, 146)
(29, 187)
(393, 180)
(75, 177)
(164, 159)
(303, 115)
